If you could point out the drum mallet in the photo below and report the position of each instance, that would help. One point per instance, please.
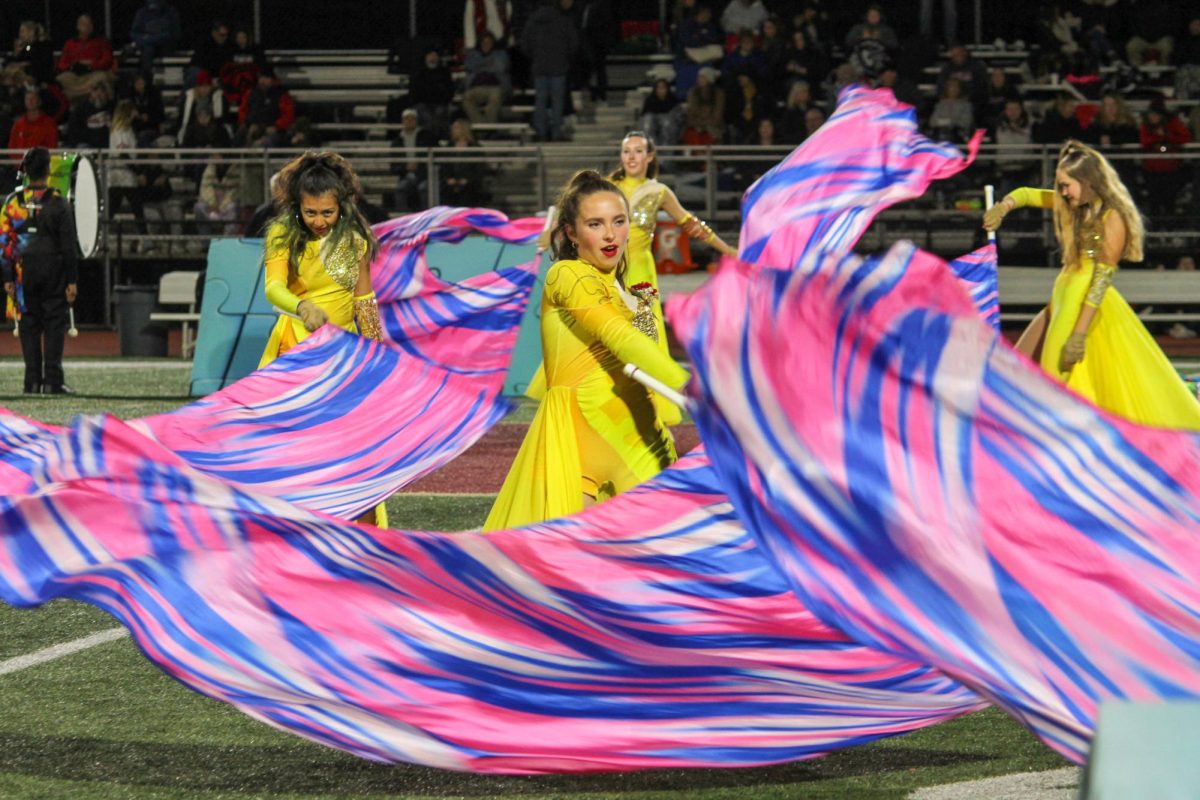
(72, 331)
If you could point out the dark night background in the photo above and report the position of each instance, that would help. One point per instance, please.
(326, 24)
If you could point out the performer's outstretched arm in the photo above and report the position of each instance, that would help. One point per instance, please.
(1017, 198)
(693, 226)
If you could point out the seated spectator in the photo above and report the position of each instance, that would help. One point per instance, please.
(155, 31)
(1162, 132)
(431, 91)
(662, 115)
(1000, 90)
(1059, 123)
(269, 106)
(1153, 26)
(463, 181)
(971, 75)
(802, 62)
(814, 118)
(86, 61)
(1013, 129)
(487, 82)
(774, 47)
(148, 113)
(704, 122)
(218, 203)
(153, 190)
(873, 27)
(952, 118)
(412, 177)
(745, 107)
(122, 183)
(750, 170)
(1187, 60)
(791, 128)
(817, 28)
(699, 45)
(746, 59)
(240, 73)
(202, 97)
(742, 15)
(32, 57)
(33, 128)
(204, 131)
(1112, 127)
(89, 122)
(905, 90)
(211, 53)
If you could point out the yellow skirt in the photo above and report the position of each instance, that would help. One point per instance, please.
(1123, 370)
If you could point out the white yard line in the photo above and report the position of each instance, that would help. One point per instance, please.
(1054, 784)
(59, 650)
(110, 364)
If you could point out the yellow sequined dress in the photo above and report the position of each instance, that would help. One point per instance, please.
(1123, 369)
(645, 198)
(596, 431)
(327, 277)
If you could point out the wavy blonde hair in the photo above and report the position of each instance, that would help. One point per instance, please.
(1098, 179)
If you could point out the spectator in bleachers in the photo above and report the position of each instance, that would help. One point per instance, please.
(550, 41)
(905, 90)
(211, 53)
(814, 118)
(85, 61)
(1000, 89)
(952, 118)
(700, 44)
(744, 107)
(204, 131)
(1162, 132)
(1014, 129)
(874, 28)
(1153, 25)
(463, 181)
(218, 203)
(122, 183)
(33, 128)
(270, 106)
(1112, 128)
(949, 20)
(1098, 18)
(202, 97)
(748, 171)
(791, 128)
(240, 73)
(32, 56)
(487, 80)
(1058, 35)
(412, 181)
(802, 61)
(155, 31)
(817, 29)
(704, 122)
(148, 113)
(89, 121)
(492, 16)
(1059, 123)
(743, 15)
(746, 59)
(599, 33)
(662, 115)
(971, 75)
(1187, 60)
(431, 91)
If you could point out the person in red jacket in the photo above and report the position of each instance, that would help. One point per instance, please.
(85, 61)
(268, 107)
(1162, 132)
(34, 128)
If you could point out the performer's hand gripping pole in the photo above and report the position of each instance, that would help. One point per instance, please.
(656, 385)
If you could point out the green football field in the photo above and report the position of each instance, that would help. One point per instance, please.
(104, 723)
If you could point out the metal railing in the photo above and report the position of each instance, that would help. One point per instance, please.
(709, 181)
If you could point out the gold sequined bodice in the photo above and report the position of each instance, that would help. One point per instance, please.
(645, 199)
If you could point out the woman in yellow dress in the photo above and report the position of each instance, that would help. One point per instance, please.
(636, 178)
(318, 254)
(1089, 337)
(596, 432)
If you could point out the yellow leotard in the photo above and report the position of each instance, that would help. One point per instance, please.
(596, 431)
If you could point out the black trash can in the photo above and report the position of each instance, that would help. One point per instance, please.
(138, 335)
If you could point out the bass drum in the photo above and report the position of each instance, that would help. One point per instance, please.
(74, 176)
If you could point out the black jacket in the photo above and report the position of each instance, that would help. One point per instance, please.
(48, 248)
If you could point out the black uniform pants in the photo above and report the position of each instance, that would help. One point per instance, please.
(43, 334)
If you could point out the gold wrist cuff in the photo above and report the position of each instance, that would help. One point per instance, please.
(1102, 278)
(366, 314)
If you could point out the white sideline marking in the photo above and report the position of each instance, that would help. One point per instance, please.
(59, 650)
(1054, 784)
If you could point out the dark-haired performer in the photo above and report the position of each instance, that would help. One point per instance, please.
(40, 264)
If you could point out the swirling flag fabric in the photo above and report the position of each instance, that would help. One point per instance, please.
(338, 423)
(929, 492)
(648, 632)
(867, 156)
(978, 272)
